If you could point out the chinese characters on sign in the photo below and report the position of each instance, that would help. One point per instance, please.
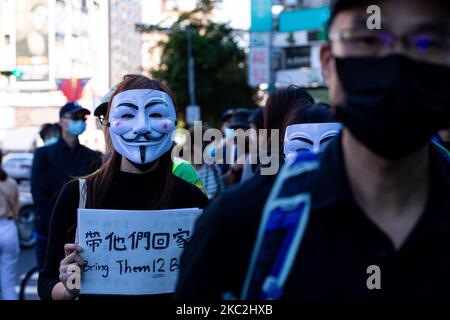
(133, 252)
(136, 240)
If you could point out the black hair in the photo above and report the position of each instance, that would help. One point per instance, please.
(311, 113)
(257, 118)
(47, 128)
(337, 6)
(341, 5)
(280, 103)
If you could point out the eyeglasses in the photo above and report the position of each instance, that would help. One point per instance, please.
(102, 120)
(431, 46)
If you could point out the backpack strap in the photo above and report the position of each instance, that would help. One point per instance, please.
(83, 194)
(82, 201)
(442, 149)
(280, 233)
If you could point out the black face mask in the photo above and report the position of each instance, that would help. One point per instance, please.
(393, 104)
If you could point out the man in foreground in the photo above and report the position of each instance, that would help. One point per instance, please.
(374, 221)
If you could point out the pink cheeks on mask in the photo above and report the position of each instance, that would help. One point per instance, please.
(141, 123)
(120, 127)
(161, 125)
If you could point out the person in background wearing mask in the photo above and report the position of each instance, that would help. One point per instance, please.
(235, 158)
(50, 133)
(251, 166)
(226, 142)
(209, 174)
(9, 238)
(369, 219)
(308, 128)
(56, 164)
(283, 101)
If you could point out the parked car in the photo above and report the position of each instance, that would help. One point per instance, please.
(18, 165)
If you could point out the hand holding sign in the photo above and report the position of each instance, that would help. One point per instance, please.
(132, 252)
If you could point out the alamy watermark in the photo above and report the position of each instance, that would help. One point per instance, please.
(74, 280)
(374, 280)
(374, 20)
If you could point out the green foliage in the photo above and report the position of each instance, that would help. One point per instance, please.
(220, 64)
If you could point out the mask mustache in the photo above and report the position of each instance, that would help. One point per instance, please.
(146, 136)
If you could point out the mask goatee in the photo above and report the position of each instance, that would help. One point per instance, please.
(142, 151)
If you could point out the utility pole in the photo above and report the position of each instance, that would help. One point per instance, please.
(271, 88)
(192, 110)
(191, 70)
(274, 29)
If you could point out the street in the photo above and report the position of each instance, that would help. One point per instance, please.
(27, 261)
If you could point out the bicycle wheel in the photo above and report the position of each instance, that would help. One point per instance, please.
(24, 283)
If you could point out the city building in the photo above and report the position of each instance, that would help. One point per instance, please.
(286, 40)
(125, 41)
(49, 42)
(61, 44)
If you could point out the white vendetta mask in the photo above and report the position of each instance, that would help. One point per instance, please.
(141, 123)
(308, 137)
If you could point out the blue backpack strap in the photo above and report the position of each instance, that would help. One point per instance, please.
(437, 142)
(280, 233)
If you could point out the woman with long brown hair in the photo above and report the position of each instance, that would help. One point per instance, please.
(137, 176)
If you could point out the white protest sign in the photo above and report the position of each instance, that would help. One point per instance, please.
(132, 252)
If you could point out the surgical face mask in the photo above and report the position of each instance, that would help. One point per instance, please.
(141, 124)
(76, 127)
(393, 104)
(311, 137)
(51, 140)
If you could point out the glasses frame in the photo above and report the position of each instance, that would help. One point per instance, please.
(406, 40)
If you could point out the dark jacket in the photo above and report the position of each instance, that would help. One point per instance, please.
(53, 166)
(339, 244)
